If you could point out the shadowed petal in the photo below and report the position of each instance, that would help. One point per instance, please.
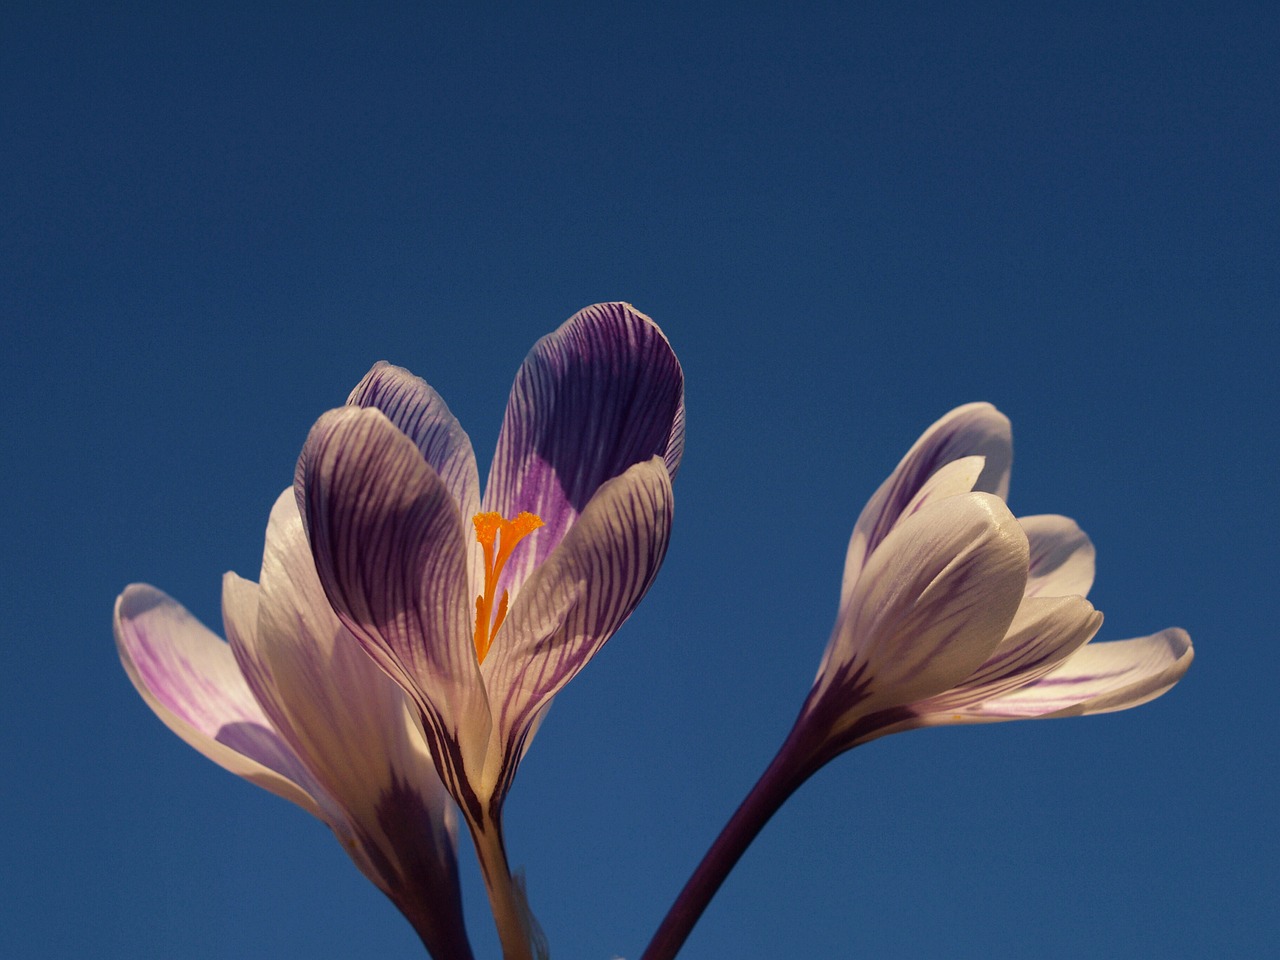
(1061, 557)
(573, 603)
(389, 549)
(1101, 678)
(189, 678)
(976, 429)
(593, 398)
(931, 605)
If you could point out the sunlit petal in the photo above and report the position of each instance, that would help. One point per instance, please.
(390, 552)
(574, 602)
(600, 394)
(932, 604)
(976, 429)
(189, 678)
(1062, 557)
(1101, 678)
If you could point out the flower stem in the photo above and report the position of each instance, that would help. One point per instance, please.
(788, 770)
(507, 903)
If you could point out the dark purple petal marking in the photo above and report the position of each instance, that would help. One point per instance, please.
(576, 600)
(389, 549)
(602, 393)
(976, 429)
(421, 414)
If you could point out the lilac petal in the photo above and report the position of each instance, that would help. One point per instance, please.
(389, 549)
(422, 415)
(1044, 632)
(189, 678)
(930, 607)
(573, 603)
(1062, 557)
(976, 429)
(600, 394)
(1100, 678)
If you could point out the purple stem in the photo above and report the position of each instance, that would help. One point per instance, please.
(792, 766)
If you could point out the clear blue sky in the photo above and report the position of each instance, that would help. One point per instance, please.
(848, 219)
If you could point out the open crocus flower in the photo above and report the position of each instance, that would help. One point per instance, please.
(294, 705)
(483, 608)
(951, 611)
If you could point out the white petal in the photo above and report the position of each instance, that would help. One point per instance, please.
(190, 679)
(975, 429)
(1101, 678)
(930, 606)
(1062, 557)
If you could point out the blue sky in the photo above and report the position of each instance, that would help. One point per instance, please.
(847, 221)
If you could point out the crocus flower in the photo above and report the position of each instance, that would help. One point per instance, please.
(951, 611)
(294, 705)
(483, 607)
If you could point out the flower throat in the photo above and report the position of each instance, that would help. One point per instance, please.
(498, 537)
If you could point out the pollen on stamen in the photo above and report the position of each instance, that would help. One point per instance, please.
(487, 526)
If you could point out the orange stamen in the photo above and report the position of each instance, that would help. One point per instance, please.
(497, 537)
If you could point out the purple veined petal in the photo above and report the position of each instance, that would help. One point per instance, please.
(325, 695)
(1062, 557)
(1101, 678)
(350, 723)
(932, 604)
(189, 678)
(600, 394)
(976, 429)
(421, 414)
(1044, 632)
(956, 478)
(390, 552)
(572, 604)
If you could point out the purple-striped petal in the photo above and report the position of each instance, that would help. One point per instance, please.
(390, 551)
(1045, 631)
(421, 414)
(189, 678)
(351, 725)
(1100, 678)
(931, 605)
(573, 603)
(976, 429)
(1062, 557)
(602, 393)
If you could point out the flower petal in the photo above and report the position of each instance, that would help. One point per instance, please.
(389, 549)
(573, 603)
(189, 678)
(350, 723)
(931, 606)
(976, 429)
(600, 394)
(1062, 557)
(1101, 678)
(1045, 631)
(422, 415)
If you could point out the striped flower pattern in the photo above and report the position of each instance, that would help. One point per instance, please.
(294, 705)
(389, 489)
